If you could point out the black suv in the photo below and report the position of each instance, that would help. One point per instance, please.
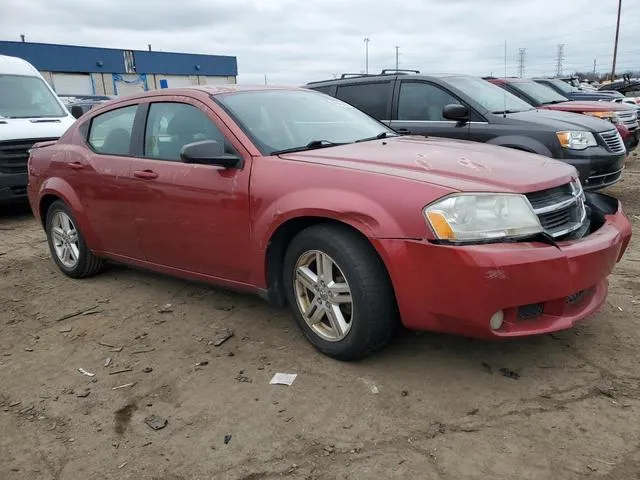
(470, 108)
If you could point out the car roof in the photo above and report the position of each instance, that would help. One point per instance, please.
(201, 91)
(209, 90)
(509, 79)
(17, 66)
(367, 77)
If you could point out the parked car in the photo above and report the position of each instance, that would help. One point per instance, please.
(82, 103)
(576, 82)
(573, 93)
(305, 200)
(469, 108)
(29, 112)
(623, 116)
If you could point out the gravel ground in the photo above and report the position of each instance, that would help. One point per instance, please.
(430, 406)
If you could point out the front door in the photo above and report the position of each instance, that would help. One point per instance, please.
(418, 111)
(191, 217)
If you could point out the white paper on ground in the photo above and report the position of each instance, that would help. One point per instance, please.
(283, 379)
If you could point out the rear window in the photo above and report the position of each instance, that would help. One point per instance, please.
(371, 98)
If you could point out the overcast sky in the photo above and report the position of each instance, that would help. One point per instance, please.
(293, 41)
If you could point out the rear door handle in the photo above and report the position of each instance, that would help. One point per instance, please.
(145, 174)
(75, 165)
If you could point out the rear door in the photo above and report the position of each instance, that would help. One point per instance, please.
(418, 110)
(372, 97)
(99, 173)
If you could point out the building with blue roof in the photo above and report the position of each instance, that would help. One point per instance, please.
(71, 69)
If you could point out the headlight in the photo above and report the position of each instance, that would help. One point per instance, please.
(576, 140)
(611, 116)
(482, 216)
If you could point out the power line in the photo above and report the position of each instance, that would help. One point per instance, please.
(559, 59)
(522, 53)
(615, 48)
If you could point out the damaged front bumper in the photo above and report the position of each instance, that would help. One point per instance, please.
(538, 287)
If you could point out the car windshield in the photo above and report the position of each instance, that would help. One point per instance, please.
(27, 97)
(490, 96)
(564, 87)
(540, 93)
(279, 120)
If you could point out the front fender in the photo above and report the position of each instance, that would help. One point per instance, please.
(354, 209)
(523, 143)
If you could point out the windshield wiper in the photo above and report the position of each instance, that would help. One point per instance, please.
(380, 136)
(312, 145)
(503, 112)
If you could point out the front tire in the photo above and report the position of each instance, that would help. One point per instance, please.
(339, 292)
(67, 245)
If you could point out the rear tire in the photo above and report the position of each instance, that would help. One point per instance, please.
(339, 292)
(67, 245)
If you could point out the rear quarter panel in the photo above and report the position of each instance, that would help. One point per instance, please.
(48, 176)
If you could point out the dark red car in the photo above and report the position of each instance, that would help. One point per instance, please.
(622, 115)
(305, 200)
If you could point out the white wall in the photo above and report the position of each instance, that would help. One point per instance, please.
(174, 81)
(72, 83)
(216, 80)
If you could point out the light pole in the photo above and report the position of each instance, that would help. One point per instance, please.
(615, 48)
(366, 55)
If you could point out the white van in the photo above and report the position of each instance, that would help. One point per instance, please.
(30, 112)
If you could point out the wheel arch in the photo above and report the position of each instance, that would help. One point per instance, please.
(279, 242)
(58, 189)
(525, 144)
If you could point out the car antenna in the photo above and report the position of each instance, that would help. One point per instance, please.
(504, 91)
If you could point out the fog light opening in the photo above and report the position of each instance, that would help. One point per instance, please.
(496, 320)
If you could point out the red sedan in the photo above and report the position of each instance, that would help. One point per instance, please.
(305, 200)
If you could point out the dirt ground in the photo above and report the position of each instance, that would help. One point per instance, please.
(429, 407)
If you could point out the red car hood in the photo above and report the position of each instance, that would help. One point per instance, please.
(459, 165)
(586, 106)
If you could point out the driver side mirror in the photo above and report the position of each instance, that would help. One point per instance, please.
(456, 112)
(209, 152)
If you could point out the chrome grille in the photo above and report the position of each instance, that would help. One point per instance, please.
(15, 153)
(628, 119)
(560, 210)
(613, 141)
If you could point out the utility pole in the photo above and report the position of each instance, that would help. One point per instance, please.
(559, 60)
(615, 48)
(366, 55)
(149, 45)
(265, 78)
(397, 54)
(594, 65)
(522, 53)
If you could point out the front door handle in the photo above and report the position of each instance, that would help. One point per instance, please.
(75, 165)
(145, 174)
(403, 131)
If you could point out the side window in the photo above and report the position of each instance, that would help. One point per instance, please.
(371, 98)
(171, 126)
(110, 133)
(423, 101)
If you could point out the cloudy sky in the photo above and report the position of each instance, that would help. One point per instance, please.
(294, 41)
